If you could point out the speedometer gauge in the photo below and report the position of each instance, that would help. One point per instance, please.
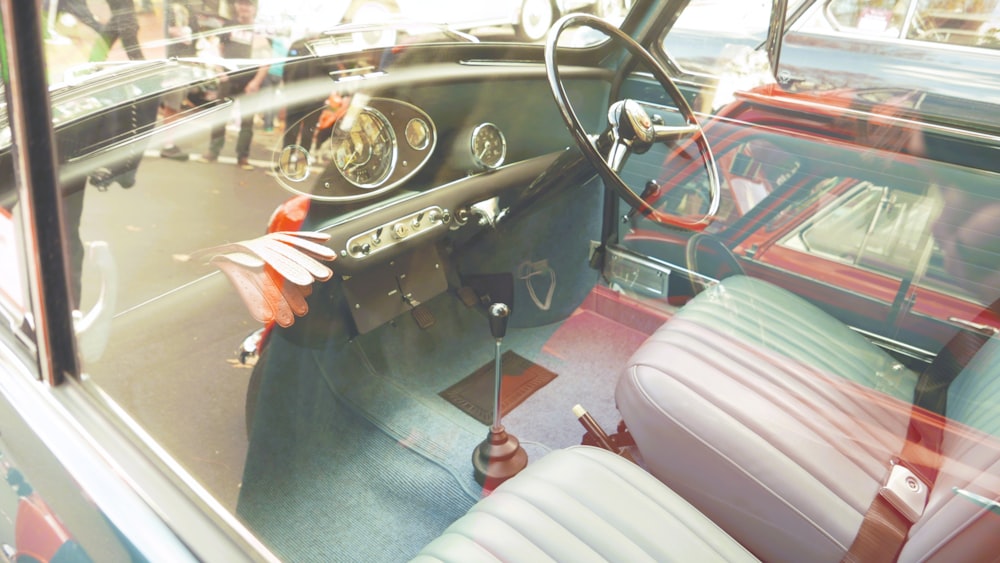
(365, 152)
(489, 148)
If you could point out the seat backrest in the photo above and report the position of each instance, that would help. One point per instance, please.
(955, 525)
(765, 315)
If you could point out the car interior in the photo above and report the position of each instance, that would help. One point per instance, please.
(523, 302)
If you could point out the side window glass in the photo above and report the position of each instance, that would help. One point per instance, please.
(11, 271)
(868, 17)
(717, 37)
(13, 298)
(966, 240)
(750, 170)
(883, 229)
(972, 22)
(968, 22)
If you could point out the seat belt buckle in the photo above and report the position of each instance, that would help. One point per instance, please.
(906, 492)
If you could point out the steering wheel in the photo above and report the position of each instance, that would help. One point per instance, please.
(706, 252)
(631, 129)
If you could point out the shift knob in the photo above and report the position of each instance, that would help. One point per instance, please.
(499, 315)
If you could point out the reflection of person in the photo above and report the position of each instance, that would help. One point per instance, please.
(123, 25)
(300, 121)
(241, 42)
(179, 28)
(968, 232)
(272, 84)
(79, 10)
(126, 125)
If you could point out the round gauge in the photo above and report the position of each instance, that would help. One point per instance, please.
(418, 134)
(488, 146)
(293, 163)
(365, 153)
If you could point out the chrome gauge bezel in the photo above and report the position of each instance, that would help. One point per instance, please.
(483, 144)
(323, 180)
(293, 163)
(387, 162)
(419, 128)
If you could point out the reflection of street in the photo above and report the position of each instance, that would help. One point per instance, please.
(171, 362)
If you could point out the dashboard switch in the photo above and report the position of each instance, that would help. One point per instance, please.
(371, 241)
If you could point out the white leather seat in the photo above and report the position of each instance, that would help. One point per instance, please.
(763, 413)
(583, 504)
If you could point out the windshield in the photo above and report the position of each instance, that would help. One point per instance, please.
(341, 269)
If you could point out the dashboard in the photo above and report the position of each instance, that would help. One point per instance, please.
(375, 146)
(390, 181)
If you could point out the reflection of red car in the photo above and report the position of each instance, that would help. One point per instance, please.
(878, 238)
(39, 536)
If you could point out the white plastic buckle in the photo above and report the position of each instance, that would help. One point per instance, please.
(906, 492)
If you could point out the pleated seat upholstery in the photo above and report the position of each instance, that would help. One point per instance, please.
(769, 317)
(779, 424)
(583, 504)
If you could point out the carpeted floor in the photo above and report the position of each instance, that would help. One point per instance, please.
(375, 450)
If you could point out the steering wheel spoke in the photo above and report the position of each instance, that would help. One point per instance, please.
(674, 133)
(617, 154)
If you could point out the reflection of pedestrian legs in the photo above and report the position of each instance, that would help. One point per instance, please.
(122, 25)
(300, 126)
(217, 137)
(171, 104)
(217, 140)
(243, 141)
(72, 212)
(270, 91)
(79, 10)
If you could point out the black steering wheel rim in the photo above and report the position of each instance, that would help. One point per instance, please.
(589, 147)
(699, 243)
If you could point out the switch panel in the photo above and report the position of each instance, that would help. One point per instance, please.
(405, 228)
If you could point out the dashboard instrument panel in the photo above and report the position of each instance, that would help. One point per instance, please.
(375, 146)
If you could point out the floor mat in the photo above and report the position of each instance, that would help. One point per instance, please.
(473, 395)
(331, 486)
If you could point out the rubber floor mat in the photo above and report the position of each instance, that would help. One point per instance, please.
(473, 395)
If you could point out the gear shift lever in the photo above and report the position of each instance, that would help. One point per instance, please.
(500, 456)
(499, 315)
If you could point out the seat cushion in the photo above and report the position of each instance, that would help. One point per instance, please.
(583, 504)
(763, 432)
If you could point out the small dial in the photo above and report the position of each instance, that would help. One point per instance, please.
(418, 133)
(489, 147)
(293, 163)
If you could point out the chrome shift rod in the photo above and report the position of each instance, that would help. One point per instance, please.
(499, 315)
